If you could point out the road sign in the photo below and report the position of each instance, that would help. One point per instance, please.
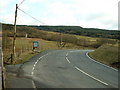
(35, 44)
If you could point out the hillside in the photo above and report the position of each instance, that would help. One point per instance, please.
(77, 30)
(52, 40)
(79, 40)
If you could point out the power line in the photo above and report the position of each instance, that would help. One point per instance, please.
(31, 16)
(21, 3)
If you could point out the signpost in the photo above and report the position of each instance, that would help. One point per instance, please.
(35, 45)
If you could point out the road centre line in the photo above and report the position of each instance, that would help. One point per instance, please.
(68, 60)
(87, 73)
(99, 62)
(32, 72)
(71, 51)
(34, 85)
(66, 54)
(91, 76)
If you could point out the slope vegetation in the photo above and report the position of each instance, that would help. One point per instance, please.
(107, 54)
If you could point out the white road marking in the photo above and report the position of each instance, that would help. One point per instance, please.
(71, 51)
(86, 73)
(41, 57)
(68, 60)
(33, 85)
(99, 62)
(90, 76)
(37, 62)
(66, 54)
(31, 73)
(34, 65)
(33, 68)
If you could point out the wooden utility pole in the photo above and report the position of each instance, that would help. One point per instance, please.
(14, 37)
(60, 39)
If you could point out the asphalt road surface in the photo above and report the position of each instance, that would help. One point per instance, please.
(65, 69)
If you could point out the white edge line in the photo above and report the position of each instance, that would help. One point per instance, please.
(33, 68)
(36, 63)
(91, 76)
(33, 85)
(99, 62)
(71, 51)
(68, 60)
(32, 73)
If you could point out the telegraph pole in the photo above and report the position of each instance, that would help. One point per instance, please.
(14, 37)
(60, 39)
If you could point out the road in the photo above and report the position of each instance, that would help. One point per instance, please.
(66, 69)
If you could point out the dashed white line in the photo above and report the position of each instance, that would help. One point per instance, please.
(99, 62)
(68, 60)
(66, 54)
(31, 73)
(36, 63)
(40, 58)
(33, 85)
(85, 72)
(90, 76)
(33, 68)
(71, 51)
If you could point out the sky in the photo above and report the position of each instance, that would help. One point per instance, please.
(101, 14)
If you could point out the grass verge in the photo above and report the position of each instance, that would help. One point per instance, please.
(107, 54)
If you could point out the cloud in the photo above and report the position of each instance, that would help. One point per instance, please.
(35, 1)
(61, 12)
(85, 13)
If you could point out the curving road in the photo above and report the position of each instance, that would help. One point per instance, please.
(67, 69)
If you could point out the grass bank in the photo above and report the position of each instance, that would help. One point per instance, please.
(107, 54)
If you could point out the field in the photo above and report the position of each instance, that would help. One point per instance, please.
(24, 48)
(107, 53)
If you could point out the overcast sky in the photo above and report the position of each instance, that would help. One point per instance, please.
(86, 13)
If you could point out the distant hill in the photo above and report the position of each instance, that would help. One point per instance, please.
(74, 34)
(76, 30)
